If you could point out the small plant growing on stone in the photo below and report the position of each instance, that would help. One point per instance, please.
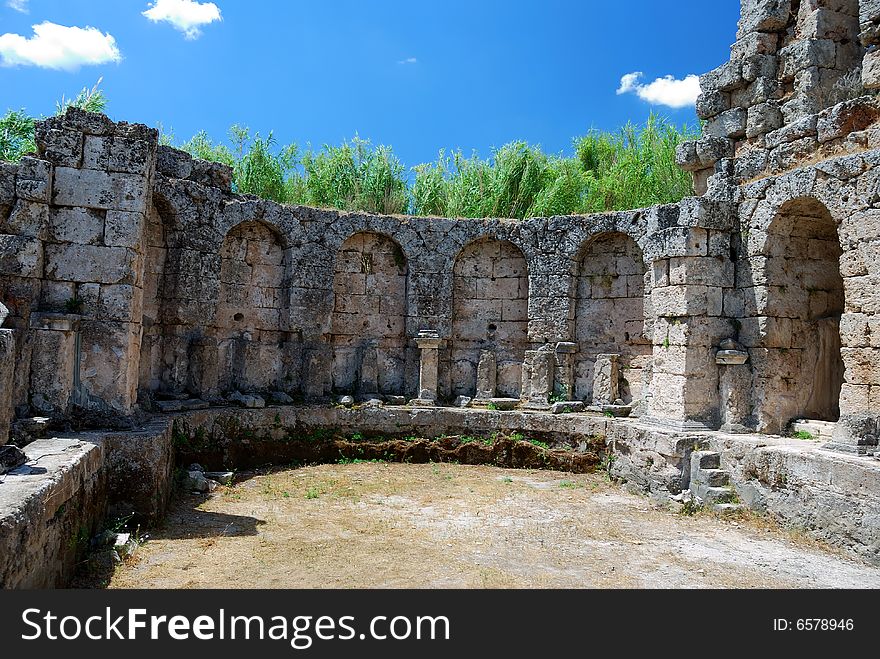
(313, 493)
(517, 437)
(803, 434)
(539, 444)
(568, 485)
(73, 306)
(492, 406)
(507, 479)
(610, 415)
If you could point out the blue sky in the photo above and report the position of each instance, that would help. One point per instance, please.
(418, 75)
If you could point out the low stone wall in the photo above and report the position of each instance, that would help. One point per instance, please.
(53, 506)
(49, 511)
(50, 508)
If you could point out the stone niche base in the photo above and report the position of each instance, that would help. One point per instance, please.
(73, 484)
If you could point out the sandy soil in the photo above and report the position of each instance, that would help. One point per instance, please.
(446, 525)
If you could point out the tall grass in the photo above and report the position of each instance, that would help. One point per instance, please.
(17, 126)
(630, 168)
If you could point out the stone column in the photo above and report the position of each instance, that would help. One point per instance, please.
(606, 380)
(734, 382)
(564, 372)
(538, 377)
(429, 343)
(487, 376)
(691, 273)
(368, 374)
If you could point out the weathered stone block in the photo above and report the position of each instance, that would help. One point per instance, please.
(86, 263)
(64, 148)
(763, 118)
(100, 190)
(77, 225)
(28, 218)
(34, 182)
(123, 229)
(21, 256)
(731, 123)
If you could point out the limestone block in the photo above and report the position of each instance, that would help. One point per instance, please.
(27, 218)
(100, 190)
(64, 148)
(725, 78)
(823, 23)
(871, 70)
(711, 103)
(806, 53)
(766, 332)
(763, 118)
(862, 365)
(109, 364)
(52, 370)
(8, 174)
(76, 225)
(87, 263)
(90, 123)
(606, 379)
(764, 16)
(121, 302)
(34, 180)
(731, 123)
(174, 163)
(846, 117)
(131, 156)
(804, 127)
(21, 256)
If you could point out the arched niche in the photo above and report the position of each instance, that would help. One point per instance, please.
(799, 299)
(610, 314)
(490, 300)
(368, 334)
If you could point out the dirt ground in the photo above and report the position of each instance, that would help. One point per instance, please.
(449, 526)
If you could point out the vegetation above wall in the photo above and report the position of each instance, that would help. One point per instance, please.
(631, 168)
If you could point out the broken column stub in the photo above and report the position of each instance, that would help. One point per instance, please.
(734, 382)
(606, 380)
(429, 343)
(538, 377)
(563, 378)
(487, 376)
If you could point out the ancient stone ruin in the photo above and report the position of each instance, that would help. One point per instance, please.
(144, 302)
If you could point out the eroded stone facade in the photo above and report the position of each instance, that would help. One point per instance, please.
(131, 273)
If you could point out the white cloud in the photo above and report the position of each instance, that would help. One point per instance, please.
(409, 60)
(662, 91)
(18, 5)
(187, 16)
(58, 47)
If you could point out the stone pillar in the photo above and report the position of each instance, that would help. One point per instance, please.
(7, 367)
(564, 371)
(606, 380)
(368, 374)
(318, 360)
(691, 272)
(429, 343)
(55, 363)
(487, 376)
(734, 381)
(538, 377)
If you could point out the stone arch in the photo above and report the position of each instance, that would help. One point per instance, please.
(368, 325)
(610, 317)
(799, 300)
(249, 325)
(490, 302)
